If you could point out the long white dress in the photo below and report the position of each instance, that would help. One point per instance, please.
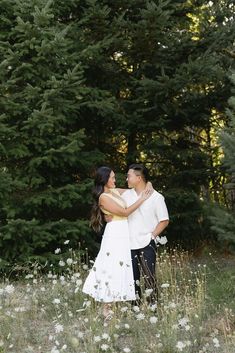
(111, 277)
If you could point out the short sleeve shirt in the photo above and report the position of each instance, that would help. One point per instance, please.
(144, 220)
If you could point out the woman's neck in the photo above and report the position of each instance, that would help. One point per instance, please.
(107, 190)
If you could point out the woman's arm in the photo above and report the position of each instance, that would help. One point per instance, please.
(111, 206)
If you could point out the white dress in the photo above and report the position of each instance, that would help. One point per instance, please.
(111, 277)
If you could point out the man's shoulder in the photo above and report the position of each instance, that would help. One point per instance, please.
(157, 195)
(128, 193)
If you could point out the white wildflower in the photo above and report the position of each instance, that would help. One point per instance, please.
(105, 336)
(165, 285)
(69, 261)
(136, 309)
(56, 301)
(126, 350)
(161, 240)
(183, 322)
(153, 319)
(124, 309)
(180, 345)
(97, 338)
(148, 291)
(127, 326)
(57, 251)
(59, 328)
(61, 263)
(104, 347)
(153, 307)
(55, 350)
(140, 316)
(66, 242)
(216, 342)
(9, 289)
(29, 276)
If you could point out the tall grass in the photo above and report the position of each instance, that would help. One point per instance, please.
(48, 313)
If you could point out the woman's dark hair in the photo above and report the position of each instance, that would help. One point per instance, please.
(141, 170)
(101, 178)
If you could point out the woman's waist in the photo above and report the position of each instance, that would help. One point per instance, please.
(118, 218)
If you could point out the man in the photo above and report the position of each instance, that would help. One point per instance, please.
(145, 224)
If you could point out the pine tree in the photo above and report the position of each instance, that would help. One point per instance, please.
(45, 160)
(223, 219)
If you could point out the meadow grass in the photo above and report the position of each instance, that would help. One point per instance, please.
(48, 313)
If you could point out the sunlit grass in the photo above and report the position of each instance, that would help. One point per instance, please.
(48, 313)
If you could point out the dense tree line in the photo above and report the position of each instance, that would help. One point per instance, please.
(85, 83)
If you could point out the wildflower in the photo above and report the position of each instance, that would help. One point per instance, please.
(104, 347)
(126, 350)
(161, 240)
(69, 261)
(165, 285)
(183, 322)
(153, 319)
(56, 301)
(55, 350)
(216, 342)
(57, 251)
(59, 328)
(29, 276)
(148, 291)
(78, 282)
(66, 242)
(124, 309)
(9, 289)
(180, 345)
(97, 338)
(153, 307)
(61, 263)
(105, 336)
(140, 316)
(136, 308)
(127, 326)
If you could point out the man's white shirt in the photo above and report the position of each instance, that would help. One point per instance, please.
(144, 220)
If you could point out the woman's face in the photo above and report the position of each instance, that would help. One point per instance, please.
(111, 182)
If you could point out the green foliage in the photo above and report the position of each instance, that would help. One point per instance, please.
(86, 83)
(223, 219)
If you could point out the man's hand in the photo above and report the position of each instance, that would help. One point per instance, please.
(108, 218)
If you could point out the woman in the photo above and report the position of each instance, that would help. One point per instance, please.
(111, 277)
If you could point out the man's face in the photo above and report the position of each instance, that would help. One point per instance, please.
(132, 178)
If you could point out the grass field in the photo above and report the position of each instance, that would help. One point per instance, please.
(48, 313)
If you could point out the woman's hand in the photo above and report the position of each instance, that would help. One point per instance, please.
(146, 194)
(149, 186)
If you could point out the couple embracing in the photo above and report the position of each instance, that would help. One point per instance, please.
(136, 217)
